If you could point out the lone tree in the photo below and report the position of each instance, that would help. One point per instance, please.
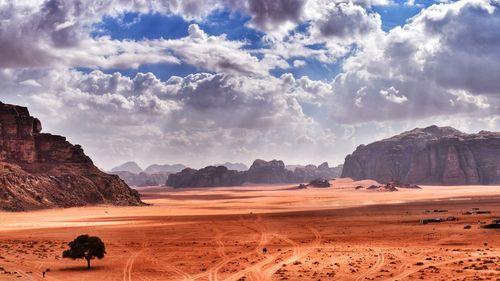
(85, 247)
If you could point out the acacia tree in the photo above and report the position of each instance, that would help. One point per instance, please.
(85, 247)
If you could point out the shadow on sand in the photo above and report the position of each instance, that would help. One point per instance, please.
(82, 268)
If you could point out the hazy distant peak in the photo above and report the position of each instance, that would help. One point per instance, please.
(156, 168)
(130, 166)
(234, 166)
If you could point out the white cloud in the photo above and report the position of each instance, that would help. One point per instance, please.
(218, 115)
(441, 63)
(441, 67)
(392, 95)
(340, 21)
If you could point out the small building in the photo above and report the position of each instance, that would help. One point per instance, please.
(467, 226)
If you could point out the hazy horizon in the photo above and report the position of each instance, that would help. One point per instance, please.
(207, 82)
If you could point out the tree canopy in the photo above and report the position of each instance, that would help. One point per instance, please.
(85, 247)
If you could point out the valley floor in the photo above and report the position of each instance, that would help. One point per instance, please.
(336, 233)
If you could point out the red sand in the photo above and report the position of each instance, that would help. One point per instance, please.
(334, 233)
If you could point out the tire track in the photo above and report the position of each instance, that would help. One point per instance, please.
(212, 272)
(375, 267)
(184, 275)
(416, 269)
(127, 270)
(297, 253)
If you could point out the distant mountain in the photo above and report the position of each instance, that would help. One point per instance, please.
(210, 176)
(130, 166)
(155, 174)
(155, 168)
(234, 166)
(143, 179)
(432, 155)
(293, 167)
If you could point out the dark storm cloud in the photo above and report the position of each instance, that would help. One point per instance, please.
(268, 14)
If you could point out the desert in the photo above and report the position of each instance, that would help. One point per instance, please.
(249, 140)
(336, 233)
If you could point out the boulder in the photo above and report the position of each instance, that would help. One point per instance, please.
(319, 183)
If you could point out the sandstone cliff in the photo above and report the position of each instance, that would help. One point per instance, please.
(311, 172)
(264, 172)
(433, 155)
(40, 170)
(273, 171)
(210, 176)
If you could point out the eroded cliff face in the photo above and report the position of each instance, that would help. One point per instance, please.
(432, 155)
(209, 176)
(261, 171)
(39, 170)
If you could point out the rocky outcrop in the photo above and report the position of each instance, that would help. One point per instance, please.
(433, 155)
(269, 172)
(143, 179)
(39, 170)
(311, 172)
(261, 171)
(210, 176)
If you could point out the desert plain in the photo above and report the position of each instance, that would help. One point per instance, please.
(336, 233)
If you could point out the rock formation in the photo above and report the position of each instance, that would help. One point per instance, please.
(264, 172)
(269, 172)
(39, 170)
(210, 176)
(143, 178)
(153, 175)
(311, 172)
(234, 166)
(433, 155)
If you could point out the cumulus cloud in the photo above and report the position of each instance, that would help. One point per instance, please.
(440, 63)
(232, 116)
(342, 21)
(443, 62)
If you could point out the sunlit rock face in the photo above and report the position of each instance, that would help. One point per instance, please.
(433, 155)
(39, 170)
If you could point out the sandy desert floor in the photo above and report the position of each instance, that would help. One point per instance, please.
(336, 233)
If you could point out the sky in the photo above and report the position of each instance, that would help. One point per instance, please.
(205, 82)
